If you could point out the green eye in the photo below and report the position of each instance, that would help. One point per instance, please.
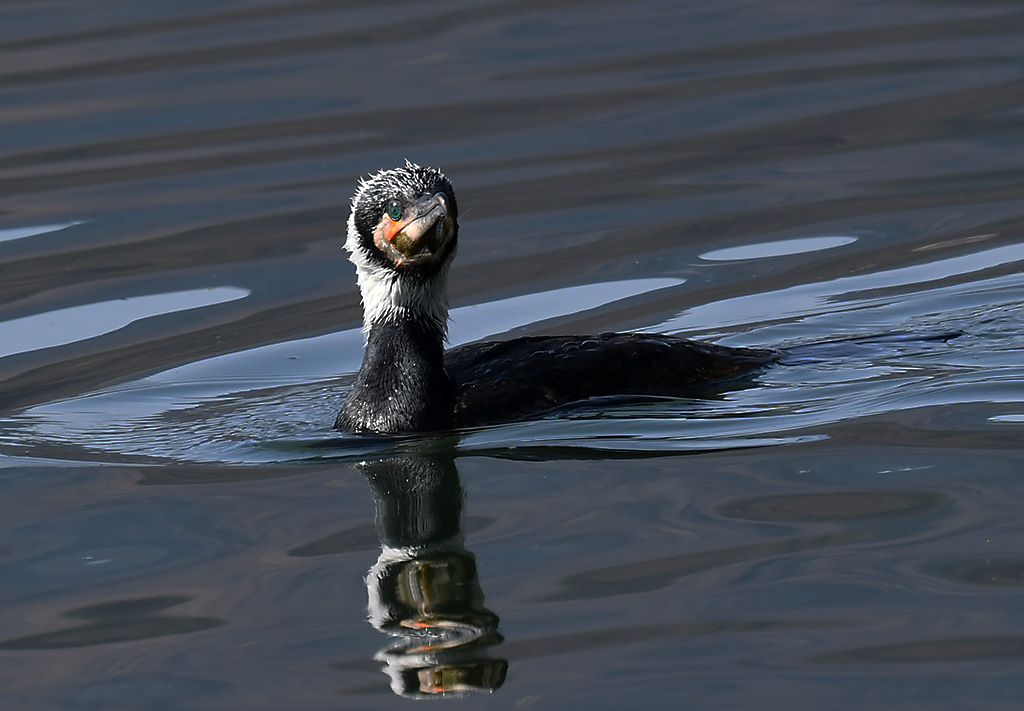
(394, 210)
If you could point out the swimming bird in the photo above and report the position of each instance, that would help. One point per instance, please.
(402, 236)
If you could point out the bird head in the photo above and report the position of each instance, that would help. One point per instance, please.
(405, 218)
(402, 235)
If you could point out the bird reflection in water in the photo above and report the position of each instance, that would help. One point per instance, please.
(424, 589)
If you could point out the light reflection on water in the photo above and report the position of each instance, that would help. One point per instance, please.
(77, 323)
(12, 233)
(848, 296)
(778, 248)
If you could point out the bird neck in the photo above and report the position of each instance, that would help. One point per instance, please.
(391, 296)
(401, 385)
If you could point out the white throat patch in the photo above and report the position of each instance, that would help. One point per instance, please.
(388, 296)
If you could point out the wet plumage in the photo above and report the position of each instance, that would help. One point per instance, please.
(402, 237)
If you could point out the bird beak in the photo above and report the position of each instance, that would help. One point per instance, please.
(420, 235)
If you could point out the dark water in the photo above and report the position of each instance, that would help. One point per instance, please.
(178, 325)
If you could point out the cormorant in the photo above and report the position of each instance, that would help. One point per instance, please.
(402, 236)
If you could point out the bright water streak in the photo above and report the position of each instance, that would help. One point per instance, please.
(77, 323)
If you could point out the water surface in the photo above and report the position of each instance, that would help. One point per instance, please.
(178, 327)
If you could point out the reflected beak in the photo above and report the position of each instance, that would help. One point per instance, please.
(421, 234)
